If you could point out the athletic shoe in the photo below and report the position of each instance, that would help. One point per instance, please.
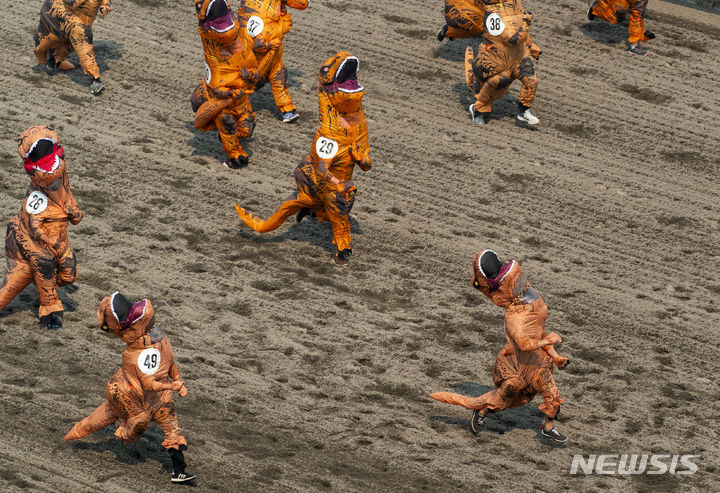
(590, 15)
(527, 117)
(54, 323)
(649, 35)
(182, 478)
(97, 87)
(290, 116)
(476, 422)
(442, 33)
(342, 257)
(637, 49)
(554, 435)
(237, 163)
(476, 116)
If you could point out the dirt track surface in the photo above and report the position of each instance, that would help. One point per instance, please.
(307, 377)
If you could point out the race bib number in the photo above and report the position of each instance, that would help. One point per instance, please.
(149, 361)
(36, 203)
(494, 24)
(255, 25)
(208, 74)
(326, 148)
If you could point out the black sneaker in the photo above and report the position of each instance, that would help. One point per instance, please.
(650, 35)
(53, 322)
(237, 163)
(342, 257)
(442, 32)
(182, 477)
(476, 422)
(590, 15)
(554, 435)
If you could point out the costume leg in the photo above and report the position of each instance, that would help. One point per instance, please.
(545, 384)
(101, 417)
(610, 11)
(81, 38)
(167, 419)
(45, 271)
(636, 29)
(18, 276)
(278, 83)
(463, 23)
(526, 73)
(492, 89)
(67, 268)
(338, 207)
(44, 42)
(232, 125)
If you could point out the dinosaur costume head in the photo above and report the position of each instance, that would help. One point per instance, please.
(216, 21)
(43, 158)
(338, 85)
(124, 319)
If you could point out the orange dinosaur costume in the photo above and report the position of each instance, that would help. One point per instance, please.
(524, 367)
(324, 177)
(615, 12)
(141, 390)
(221, 100)
(503, 55)
(36, 245)
(266, 22)
(66, 26)
(464, 19)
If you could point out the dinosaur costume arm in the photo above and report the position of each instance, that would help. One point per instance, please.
(323, 170)
(526, 343)
(37, 231)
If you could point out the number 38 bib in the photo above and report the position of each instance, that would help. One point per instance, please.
(494, 24)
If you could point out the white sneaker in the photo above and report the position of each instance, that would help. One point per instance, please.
(527, 117)
(478, 118)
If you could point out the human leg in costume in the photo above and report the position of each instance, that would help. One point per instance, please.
(616, 11)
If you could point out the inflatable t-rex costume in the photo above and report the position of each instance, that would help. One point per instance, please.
(221, 100)
(266, 22)
(464, 19)
(66, 25)
(615, 12)
(141, 390)
(36, 245)
(524, 367)
(505, 54)
(324, 177)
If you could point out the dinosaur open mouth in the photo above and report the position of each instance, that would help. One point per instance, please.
(44, 155)
(218, 17)
(346, 78)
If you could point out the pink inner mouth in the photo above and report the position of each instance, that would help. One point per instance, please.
(220, 24)
(349, 85)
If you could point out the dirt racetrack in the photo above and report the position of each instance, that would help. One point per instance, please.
(303, 376)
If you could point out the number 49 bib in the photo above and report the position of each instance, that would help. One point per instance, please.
(149, 361)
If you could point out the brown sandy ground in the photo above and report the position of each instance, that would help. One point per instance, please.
(307, 377)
